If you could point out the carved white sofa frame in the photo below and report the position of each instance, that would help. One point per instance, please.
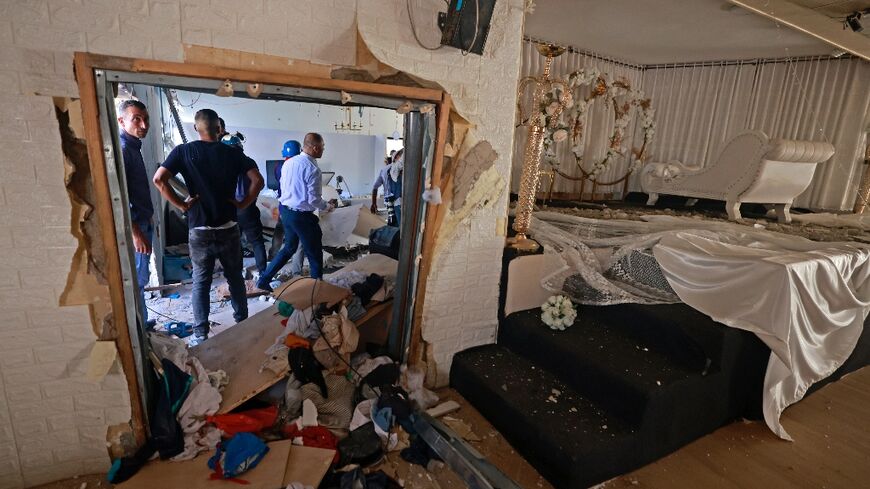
(751, 168)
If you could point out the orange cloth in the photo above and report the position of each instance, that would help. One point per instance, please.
(293, 341)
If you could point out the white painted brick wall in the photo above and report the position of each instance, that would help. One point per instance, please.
(52, 419)
(462, 292)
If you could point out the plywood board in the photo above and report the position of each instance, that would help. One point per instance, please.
(239, 351)
(194, 474)
(307, 465)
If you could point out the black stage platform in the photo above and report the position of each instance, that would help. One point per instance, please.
(625, 386)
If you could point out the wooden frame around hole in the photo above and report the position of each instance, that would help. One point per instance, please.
(85, 66)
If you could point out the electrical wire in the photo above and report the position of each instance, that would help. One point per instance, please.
(163, 315)
(476, 28)
(317, 322)
(414, 29)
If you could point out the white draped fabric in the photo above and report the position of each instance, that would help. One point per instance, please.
(700, 107)
(806, 300)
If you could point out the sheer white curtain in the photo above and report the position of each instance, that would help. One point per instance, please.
(599, 125)
(699, 108)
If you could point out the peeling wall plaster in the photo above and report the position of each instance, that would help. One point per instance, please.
(462, 290)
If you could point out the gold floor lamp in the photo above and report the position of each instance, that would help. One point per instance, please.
(531, 174)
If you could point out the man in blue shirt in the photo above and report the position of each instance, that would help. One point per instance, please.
(301, 195)
(249, 217)
(134, 123)
(211, 171)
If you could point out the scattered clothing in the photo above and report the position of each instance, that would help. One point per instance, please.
(419, 453)
(166, 433)
(312, 436)
(339, 337)
(346, 278)
(306, 368)
(293, 341)
(369, 288)
(355, 309)
(336, 411)
(250, 421)
(357, 479)
(386, 374)
(362, 446)
(236, 456)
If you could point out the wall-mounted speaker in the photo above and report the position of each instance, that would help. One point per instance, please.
(465, 26)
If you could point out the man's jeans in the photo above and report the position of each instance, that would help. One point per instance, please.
(299, 228)
(143, 267)
(206, 245)
(252, 227)
(296, 262)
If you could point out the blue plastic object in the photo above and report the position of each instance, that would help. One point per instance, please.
(237, 455)
(179, 328)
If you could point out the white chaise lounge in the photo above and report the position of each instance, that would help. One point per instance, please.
(751, 168)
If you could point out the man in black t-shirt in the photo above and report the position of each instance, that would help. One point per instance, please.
(211, 171)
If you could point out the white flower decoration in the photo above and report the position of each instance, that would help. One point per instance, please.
(560, 135)
(558, 312)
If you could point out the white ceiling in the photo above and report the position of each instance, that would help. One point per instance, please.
(666, 31)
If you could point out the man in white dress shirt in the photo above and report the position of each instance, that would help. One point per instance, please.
(301, 196)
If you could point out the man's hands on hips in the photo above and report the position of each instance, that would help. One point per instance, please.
(188, 203)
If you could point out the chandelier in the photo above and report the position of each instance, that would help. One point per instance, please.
(347, 124)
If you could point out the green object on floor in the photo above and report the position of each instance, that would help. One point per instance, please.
(285, 309)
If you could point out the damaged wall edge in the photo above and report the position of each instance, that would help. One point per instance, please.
(86, 280)
(95, 272)
(113, 326)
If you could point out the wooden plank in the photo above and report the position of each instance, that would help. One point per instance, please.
(831, 448)
(221, 73)
(194, 474)
(84, 72)
(434, 217)
(307, 465)
(374, 326)
(810, 22)
(239, 351)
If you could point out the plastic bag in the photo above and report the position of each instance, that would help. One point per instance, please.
(252, 421)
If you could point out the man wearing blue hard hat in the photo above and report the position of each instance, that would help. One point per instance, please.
(301, 197)
(291, 148)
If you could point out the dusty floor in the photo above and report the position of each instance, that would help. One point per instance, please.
(630, 211)
(487, 441)
(831, 449)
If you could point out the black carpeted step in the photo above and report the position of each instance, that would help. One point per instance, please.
(571, 440)
(601, 360)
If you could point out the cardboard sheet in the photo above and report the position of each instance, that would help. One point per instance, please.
(307, 465)
(298, 292)
(239, 352)
(348, 225)
(194, 474)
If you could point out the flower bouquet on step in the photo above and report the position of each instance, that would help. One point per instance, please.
(558, 312)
